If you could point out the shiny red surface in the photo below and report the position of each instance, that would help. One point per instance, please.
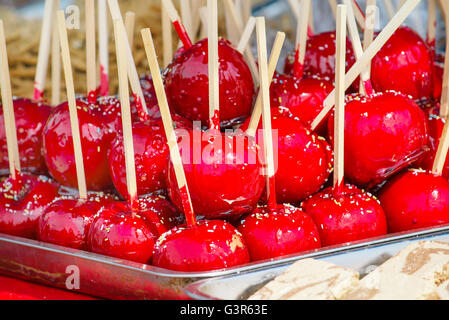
(279, 232)
(404, 64)
(207, 246)
(151, 156)
(384, 133)
(30, 120)
(223, 181)
(320, 57)
(20, 211)
(99, 124)
(146, 81)
(415, 199)
(120, 232)
(66, 222)
(187, 84)
(438, 72)
(302, 99)
(350, 215)
(303, 160)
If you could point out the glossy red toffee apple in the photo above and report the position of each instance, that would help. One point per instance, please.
(224, 180)
(31, 118)
(415, 199)
(320, 57)
(384, 133)
(187, 84)
(404, 64)
(207, 246)
(300, 98)
(274, 233)
(304, 160)
(22, 203)
(99, 124)
(66, 221)
(346, 215)
(150, 97)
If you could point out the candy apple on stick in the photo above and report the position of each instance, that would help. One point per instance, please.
(344, 213)
(276, 229)
(66, 221)
(23, 197)
(187, 248)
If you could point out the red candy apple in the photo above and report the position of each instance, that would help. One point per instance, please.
(20, 208)
(274, 233)
(66, 221)
(320, 57)
(187, 84)
(404, 64)
(224, 180)
(415, 199)
(384, 133)
(207, 246)
(346, 216)
(31, 118)
(99, 124)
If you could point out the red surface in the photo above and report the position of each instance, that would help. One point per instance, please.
(13, 289)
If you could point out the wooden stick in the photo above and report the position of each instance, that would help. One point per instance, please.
(246, 7)
(301, 38)
(230, 7)
(311, 25)
(168, 127)
(103, 43)
(432, 25)
(266, 111)
(389, 8)
(246, 36)
(130, 22)
(368, 37)
(400, 4)
(167, 39)
(44, 51)
(333, 5)
(177, 23)
(296, 10)
(196, 21)
(8, 109)
(128, 140)
(68, 73)
(444, 102)
(55, 62)
(274, 58)
(213, 65)
(91, 51)
(132, 69)
(203, 17)
(358, 14)
(186, 17)
(367, 88)
(367, 56)
(339, 128)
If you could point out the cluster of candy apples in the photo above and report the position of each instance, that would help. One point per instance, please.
(386, 133)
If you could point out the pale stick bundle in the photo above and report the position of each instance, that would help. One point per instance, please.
(175, 154)
(444, 103)
(367, 56)
(91, 51)
(213, 66)
(266, 112)
(55, 62)
(8, 109)
(74, 124)
(246, 35)
(167, 39)
(368, 35)
(272, 64)
(339, 124)
(103, 47)
(121, 42)
(177, 23)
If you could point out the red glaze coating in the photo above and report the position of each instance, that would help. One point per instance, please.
(99, 124)
(438, 72)
(303, 160)
(207, 246)
(187, 84)
(404, 64)
(280, 232)
(302, 99)
(66, 221)
(320, 57)
(119, 232)
(30, 120)
(349, 216)
(223, 182)
(384, 133)
(415, 199)
(20, 211)
(146, 81)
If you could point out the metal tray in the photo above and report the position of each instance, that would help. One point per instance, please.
(362, 257)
